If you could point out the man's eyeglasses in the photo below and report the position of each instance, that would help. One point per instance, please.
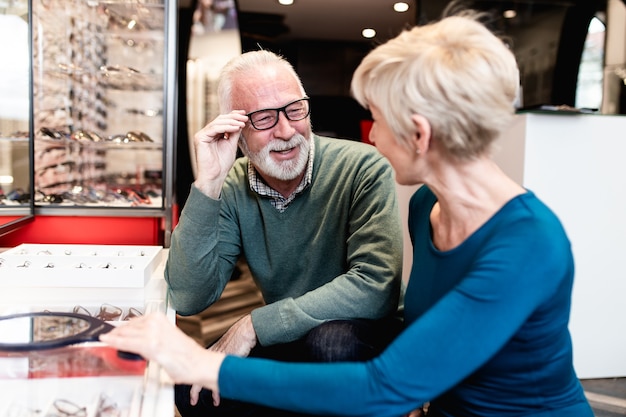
(268, 118)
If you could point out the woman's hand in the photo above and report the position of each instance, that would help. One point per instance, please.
(155, 338)
(238, 340)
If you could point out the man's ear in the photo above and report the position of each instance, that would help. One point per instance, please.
(421, 133)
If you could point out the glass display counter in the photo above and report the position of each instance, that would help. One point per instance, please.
(87, 379)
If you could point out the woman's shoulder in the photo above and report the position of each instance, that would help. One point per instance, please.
(526, 218)
(528, 206)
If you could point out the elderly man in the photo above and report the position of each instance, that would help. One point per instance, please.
(316, 219)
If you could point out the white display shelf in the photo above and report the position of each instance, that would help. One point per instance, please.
(78, 266)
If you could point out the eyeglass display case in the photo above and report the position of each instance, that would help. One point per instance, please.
(90, 378)
(103, 79)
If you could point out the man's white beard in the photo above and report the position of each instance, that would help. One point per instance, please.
(283, 170)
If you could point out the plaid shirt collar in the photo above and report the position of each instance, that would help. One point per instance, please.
(279, 202)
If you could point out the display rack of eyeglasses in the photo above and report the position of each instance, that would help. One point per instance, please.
(84, 266)
(103, 105)
(14, 171)
(88, 379)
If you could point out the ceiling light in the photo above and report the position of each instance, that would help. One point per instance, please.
(286, 2)
(368, 33)
(401, 7)
(509, 14)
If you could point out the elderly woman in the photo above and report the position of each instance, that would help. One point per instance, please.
(486, 317)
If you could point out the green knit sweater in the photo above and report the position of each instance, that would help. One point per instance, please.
(335, 252)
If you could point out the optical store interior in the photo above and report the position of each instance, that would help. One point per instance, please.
(99, 103)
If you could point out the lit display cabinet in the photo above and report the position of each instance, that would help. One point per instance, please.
(103, 81)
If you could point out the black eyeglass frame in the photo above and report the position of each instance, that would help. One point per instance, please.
(284, 111)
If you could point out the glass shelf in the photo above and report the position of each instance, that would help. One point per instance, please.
(100, 103)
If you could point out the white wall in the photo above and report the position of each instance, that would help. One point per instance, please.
(404, 195)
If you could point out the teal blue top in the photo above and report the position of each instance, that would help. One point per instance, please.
(487, 332)
(335, 252)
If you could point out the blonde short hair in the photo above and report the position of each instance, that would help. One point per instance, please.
(454, 72)
(241, 66)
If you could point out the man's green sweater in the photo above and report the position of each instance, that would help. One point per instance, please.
(334, 253)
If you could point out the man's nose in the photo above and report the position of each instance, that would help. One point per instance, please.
(283, 129)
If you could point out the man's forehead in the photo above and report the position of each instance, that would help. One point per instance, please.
(253, 94)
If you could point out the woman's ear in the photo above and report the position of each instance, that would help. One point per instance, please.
(421, 133)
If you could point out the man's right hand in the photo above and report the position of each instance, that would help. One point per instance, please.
(216, 149)
(238, 340)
